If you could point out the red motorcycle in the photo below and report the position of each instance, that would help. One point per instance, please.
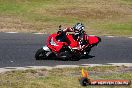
(64, 46)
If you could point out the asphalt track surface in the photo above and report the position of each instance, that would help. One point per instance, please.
(17, 50)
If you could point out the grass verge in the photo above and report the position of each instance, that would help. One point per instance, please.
(102, 17)
(62, 77)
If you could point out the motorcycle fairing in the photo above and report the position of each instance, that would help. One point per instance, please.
(93, 40)
(53, 44)
(72, 41)
(56, 45)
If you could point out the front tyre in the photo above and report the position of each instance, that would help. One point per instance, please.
(40, 54)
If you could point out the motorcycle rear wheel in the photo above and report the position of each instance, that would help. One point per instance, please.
(75, 58)
(88, 51)
(40, 54)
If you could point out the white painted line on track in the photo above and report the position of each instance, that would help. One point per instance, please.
(62, 66)
(91, 65)
(38, 33)
(11, 32)
(121, 64)
(46, 33)
(92, 35)
(130, 37)
(110, 36)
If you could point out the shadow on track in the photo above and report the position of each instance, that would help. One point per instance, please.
(87, 57)
(59, 59)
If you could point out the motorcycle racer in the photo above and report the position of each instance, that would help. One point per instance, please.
(80, 34)
(68, 46)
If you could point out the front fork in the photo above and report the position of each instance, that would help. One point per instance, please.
(47, 50)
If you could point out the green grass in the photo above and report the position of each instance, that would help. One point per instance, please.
(116, 28)
(129, 1)
(119, 76)
(61, 78)
(103, 17)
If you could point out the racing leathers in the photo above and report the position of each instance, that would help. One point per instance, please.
(79, 36)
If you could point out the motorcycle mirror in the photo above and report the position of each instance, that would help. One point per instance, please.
(60, 27)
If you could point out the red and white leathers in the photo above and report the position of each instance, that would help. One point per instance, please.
(80, 37)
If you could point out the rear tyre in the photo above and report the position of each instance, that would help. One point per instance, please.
(88, 51)
(40, 54)
(75, 58)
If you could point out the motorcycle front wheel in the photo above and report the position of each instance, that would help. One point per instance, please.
(40, 54)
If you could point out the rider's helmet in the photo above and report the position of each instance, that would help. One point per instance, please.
(79, 27)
